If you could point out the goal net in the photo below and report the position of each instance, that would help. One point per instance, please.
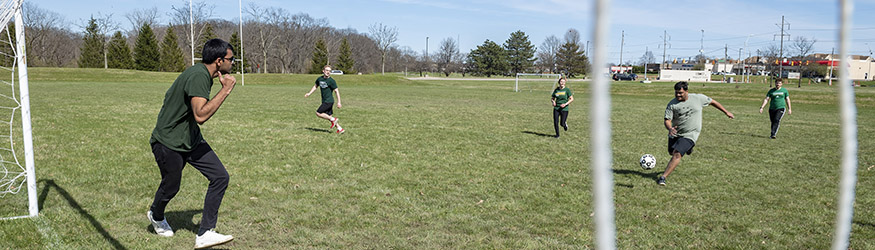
(535, 82)
(15, 133)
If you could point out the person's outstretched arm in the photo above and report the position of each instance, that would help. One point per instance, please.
(337, 92)
(765, 101)
(720, 107)
(311, 91)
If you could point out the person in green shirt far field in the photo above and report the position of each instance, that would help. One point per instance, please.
(326, 86)
(780, 99)
(561, 98)
(683, 120)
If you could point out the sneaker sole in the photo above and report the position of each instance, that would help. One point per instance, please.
(214, 244)
(165, 234)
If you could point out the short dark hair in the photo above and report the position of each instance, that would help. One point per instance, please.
(681, 85)
(214, 49)
(781, 80)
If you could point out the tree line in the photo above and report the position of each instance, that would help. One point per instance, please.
(278, 41)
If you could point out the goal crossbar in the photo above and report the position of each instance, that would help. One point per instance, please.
(516, 85)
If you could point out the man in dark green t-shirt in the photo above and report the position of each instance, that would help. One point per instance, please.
(177, 140)
(561, 98)
(327, 85)
(780, 100)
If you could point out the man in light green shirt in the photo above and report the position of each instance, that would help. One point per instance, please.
(683, 120)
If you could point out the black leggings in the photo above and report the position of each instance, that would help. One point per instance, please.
(775, 116)
(556, 114)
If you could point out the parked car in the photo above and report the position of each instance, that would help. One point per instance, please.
(625, 77)
(336, 72)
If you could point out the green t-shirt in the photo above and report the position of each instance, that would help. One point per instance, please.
(778, 97)
(562, 96)
(326, 85)
(687, 115)
(176, 127)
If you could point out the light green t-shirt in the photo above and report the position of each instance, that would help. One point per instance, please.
(562, 96)
(176, 127)
(687, 115)
(778, 98)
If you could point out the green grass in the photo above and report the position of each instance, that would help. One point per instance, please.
(436, 165)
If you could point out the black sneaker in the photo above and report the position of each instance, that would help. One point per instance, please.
(556, 136)
(565, 126)
(773, 137)
(661, 180)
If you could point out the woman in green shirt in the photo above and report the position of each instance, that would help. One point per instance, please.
(561, 98)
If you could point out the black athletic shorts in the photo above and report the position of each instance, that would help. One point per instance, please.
(682, 145)
(326, 108)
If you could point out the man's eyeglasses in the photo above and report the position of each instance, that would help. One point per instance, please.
(229, 59)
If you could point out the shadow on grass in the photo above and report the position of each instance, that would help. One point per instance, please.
(865, 224)
(652, 175)
(751, 135)
(50, 184)
(319, 130)
(538, 134)
(180, 220)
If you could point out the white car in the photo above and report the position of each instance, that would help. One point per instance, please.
(337, 72)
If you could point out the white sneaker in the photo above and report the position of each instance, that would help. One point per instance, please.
(161, 227)
(211, 238)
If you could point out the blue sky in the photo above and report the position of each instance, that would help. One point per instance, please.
(726, 23)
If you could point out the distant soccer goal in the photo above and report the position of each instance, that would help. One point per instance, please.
(535, 82)
(14, 133)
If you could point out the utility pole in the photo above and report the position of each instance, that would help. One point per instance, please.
(781, 61)
(427, 64)
(664, 45)
(830, 65)
(725, 60)
(622, 41)
(702, 50)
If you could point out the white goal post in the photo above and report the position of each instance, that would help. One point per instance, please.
(542, 77)
(12, 174)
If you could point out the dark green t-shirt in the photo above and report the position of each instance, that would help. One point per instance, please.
(176, 127)
(326, 85)
(778, 97)
(562, 96)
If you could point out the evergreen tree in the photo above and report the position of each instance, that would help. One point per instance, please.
(206, 36)
(146, 55)
(171, 55)
(238, 51)
(344, 60)
(520, 52)
(488, 59)
(320, 57)
(92, 47)
(571, 60)
(118, 54)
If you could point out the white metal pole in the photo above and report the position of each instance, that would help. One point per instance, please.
(849, 134)
(242, 70)
(603, 181)
(191, 28)
(27, 133)
(516, 83)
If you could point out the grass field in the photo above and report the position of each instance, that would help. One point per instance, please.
(436, 165)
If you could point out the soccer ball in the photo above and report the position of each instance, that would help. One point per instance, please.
(647, 161)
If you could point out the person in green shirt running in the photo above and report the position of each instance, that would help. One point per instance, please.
(683, 120)
(780, 99)
(561, 98)
(177, 140)
(326, 85)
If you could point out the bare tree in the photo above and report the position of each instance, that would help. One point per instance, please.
(803, 46)
(647, 58)
(572, 36)
(385, 36)
(447, 55)
(142, 16)
(547, 53)
(49, 41)
(200, 12)
(105, 26)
